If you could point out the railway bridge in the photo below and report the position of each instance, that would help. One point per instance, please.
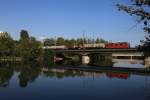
(102, 50)
(132, 52)
(129, 53)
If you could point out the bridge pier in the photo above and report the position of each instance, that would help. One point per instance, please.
(85, 59)
(131, 57)
(147, 62)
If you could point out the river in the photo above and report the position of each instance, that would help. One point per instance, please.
(65, 82)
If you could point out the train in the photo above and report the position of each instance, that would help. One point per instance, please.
(118, 45)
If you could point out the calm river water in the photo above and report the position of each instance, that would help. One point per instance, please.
(36, 83)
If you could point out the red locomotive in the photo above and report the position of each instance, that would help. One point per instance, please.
(118, 45)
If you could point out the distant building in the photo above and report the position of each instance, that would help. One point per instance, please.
(3, 34)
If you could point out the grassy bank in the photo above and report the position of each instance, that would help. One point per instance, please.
(8, 58)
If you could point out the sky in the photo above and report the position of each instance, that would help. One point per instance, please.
(69, 19)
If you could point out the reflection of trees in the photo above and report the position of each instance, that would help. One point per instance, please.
(101, 60)
(5, 75)
(61, 73)
(28, 73)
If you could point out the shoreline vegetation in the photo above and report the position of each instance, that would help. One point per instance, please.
(29, 49)
(8, 58)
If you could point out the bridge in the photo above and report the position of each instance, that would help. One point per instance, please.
(102, 50)
(129, 53)
(132, 52)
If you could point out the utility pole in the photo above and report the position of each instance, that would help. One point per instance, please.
(55, 41)
(83, 39)
(93, 39)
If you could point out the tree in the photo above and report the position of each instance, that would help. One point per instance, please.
(140, 9)
(73, 42)
(6, 45)
(80, 41)
(97, 40)
(17, 46)
(29, 47)
(60, 41)
(70, 43)
(35, 50)
(24, 35)
(89, 41)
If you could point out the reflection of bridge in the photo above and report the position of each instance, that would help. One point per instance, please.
(135, 71)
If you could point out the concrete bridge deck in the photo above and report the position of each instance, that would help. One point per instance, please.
(96, 50)
(128, 54)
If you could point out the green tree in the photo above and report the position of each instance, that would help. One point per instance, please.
(29, 47)
(6, 45)
(73, 42)
(97, 40)
(89, 40)
(60, 41)
(79, 41)
(35, 50)
(24, 35)
(17, 51)
(141, 10)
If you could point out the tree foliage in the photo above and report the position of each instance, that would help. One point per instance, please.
(71, 42)
(24, 35)
(6, 45)
(141, 10)
(29, 47)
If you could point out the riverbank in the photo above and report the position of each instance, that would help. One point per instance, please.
(5, 59)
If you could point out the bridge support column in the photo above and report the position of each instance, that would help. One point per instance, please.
(131, 58)
(85, 59)
(147, 62)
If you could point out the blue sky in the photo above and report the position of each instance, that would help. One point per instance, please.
(69, 18)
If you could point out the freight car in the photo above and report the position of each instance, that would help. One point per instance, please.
(55, 47)
(95, 45)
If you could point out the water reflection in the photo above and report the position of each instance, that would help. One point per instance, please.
(100, 65)
(100, 78)
(29, 73)
(61, 73)
(6, 73)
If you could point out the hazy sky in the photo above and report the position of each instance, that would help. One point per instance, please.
(69, 18)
